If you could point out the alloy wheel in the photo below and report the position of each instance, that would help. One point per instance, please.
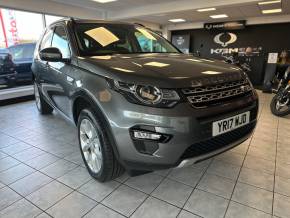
(282, 104)
(91, 145)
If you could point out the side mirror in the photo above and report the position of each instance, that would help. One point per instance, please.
(51, 54)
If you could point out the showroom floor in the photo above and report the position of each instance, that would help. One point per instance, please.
(41, 173)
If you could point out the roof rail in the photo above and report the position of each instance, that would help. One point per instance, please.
(140, 24)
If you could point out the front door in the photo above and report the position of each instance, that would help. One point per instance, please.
(62, 83)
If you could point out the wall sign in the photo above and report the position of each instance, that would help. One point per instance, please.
(262, 39)
(232, 39)
(182, 42)
(272, 58)
(233, 25)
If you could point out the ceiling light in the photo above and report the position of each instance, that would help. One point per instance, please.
(176, 20)
(156, 64)
(105, 57)
(124, 70)
(195, 60)
(269, 2)
(272, 11)
(206, 9)
(207, 60)
(104, 1)
(209, 72)
(218, 16)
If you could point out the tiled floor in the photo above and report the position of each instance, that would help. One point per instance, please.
(42, 175)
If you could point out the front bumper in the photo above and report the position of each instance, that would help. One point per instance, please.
(189, 127)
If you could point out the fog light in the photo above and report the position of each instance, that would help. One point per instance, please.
(146, 135)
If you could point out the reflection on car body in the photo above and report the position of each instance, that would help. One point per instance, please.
(7, 69)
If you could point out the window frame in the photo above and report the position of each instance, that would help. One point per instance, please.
(43, 36)
(67, 36)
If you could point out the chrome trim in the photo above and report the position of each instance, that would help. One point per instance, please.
(7, 75)
(200, 97)
(202, 89)
(218, 95)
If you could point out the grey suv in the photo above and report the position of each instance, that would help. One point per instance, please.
(139, 104)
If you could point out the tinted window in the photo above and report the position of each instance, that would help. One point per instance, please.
(22, 52)
(46, 41)
(60, 41)
(149, 43)
(100, 39)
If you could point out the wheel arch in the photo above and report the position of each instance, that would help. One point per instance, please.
(83, 100)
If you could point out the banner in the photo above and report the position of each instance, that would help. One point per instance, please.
(9, 27)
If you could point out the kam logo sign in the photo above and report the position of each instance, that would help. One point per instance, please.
(232, 39)
(225, 40)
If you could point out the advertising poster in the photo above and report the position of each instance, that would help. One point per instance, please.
(9, 27)
(182, 42)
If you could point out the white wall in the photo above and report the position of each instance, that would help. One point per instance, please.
(51, 7)
(153, 26)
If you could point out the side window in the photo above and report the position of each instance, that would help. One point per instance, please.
(46, 40)
(60, 41)
(148, 43)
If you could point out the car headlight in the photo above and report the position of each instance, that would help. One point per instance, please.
(147, 95)
(246, 77)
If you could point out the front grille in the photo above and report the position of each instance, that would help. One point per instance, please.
(205, 96)
(217, 142)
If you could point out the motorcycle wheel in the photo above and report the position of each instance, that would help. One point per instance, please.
(280, 107)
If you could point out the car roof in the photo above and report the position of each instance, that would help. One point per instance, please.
(75, 20)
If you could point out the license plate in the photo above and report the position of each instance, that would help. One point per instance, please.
(231, 123)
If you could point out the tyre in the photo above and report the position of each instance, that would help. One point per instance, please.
(42, 106)
(96, 149)
(279, 108)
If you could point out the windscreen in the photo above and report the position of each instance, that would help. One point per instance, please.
(106, 39)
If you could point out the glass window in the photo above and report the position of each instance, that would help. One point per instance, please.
(46, 41)
(19, 32)
(60, 41)
(101, 39)
(148, 43)
(20, 27)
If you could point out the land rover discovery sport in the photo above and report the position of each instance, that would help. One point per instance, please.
(138, 103)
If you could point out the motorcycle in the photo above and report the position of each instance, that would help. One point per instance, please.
(233, 59)
(280, 104)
